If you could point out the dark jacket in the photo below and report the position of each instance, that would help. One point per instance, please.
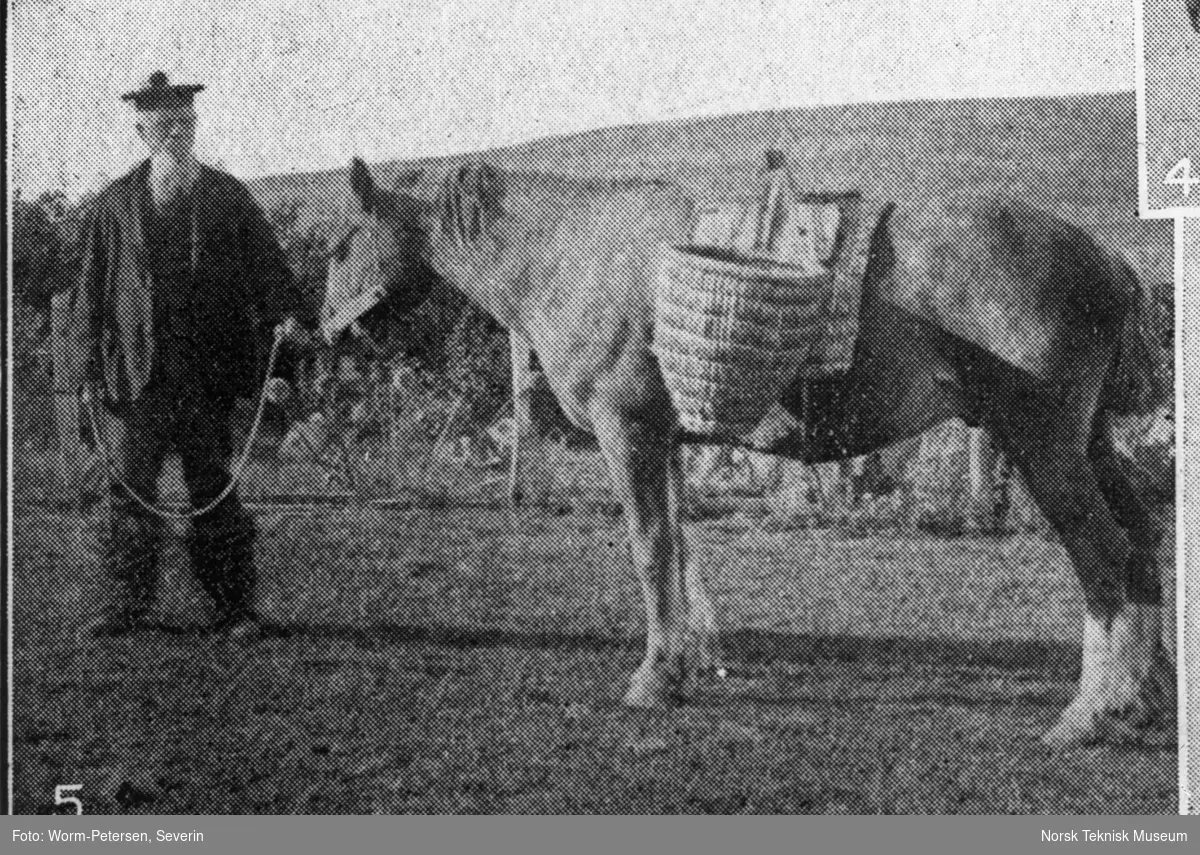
(241, 287)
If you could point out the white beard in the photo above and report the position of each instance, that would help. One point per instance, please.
(170, 177)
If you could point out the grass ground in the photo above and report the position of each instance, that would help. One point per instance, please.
(460, 660)
(468, 660)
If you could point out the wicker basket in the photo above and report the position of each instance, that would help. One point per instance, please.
(730, 332)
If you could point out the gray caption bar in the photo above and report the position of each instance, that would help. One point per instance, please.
(661, 835)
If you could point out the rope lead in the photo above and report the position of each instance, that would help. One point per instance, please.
(89, 400)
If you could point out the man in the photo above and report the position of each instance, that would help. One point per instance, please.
(181, 275)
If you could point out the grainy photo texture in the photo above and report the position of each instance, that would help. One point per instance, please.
(1170, 56)
(1189, 283)
(812, 452)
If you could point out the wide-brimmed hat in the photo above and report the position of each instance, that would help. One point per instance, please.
(158, 91)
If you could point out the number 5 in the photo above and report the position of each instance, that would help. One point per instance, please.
(60, 799)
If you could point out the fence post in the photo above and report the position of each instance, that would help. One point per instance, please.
(522, 431)
(980, 466)
(73, 463)
(70, 466)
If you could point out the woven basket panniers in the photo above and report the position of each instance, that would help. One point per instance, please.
(730, 332)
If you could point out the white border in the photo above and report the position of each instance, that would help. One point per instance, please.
(1183, 447)
(6, 563)
(1181, 492)
(1139, 88)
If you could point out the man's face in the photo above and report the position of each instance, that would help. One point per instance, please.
(168, 130)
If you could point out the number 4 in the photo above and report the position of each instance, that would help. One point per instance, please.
(60, 799)
(1181, 176)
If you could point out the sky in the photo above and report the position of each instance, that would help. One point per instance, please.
(302, 86)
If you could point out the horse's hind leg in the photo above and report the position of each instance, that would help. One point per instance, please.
(1131, 510)
(646, 477)
(1120, 636)
(1145, 583)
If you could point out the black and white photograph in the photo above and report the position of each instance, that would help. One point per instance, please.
(1188, 278)
(572, 409)
(1169, 109)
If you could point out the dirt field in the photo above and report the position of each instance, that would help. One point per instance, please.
(463, 660)
(467, 660)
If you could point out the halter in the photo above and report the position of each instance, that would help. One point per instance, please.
(348, 313)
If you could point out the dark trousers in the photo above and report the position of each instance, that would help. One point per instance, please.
(169, 419)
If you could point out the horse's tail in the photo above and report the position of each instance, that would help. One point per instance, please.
(1136, 383)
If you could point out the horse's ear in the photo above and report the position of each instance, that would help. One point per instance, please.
(363, 186)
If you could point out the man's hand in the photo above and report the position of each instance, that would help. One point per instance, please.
(278, 391)
(290, 332)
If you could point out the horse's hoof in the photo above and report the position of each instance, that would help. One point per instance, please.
(649, 690)
(1142, 713)
(1113, 730)
(711, 668)
(1075, 728)
(642, 700)
(1158, 699)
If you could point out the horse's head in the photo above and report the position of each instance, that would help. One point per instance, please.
(378, 259)
(384, 256)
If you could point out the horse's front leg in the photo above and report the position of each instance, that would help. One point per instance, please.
(647, 478)
(702, 621)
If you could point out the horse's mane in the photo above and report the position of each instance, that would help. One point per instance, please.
(470, 201)
(471, 195)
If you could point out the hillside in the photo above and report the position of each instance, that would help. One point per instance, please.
(1074, 155)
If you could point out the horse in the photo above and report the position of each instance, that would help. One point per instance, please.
(988, 310)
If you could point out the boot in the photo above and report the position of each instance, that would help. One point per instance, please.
(130, 549)
(221, 547)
